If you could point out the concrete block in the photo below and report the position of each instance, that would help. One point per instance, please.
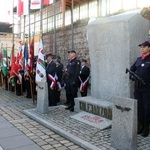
(113, 46)
(42, 97)
(124, 124)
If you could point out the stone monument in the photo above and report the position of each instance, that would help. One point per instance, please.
(113, 47)
(124, 124)
(42, 97)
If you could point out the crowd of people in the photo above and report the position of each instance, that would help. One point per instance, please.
(73, 77)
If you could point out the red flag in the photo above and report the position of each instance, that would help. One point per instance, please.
(13, 70)
(20, 8)
(47, 2)
(31, 57)
(19, 61)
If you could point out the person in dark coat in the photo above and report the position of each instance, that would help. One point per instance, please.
(59, 73)
(84, 77)
(72, 73)
(141, 67)
(51, 79)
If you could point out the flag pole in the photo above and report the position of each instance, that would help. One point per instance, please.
(72, 27)
(54, 48)
(30, 77)
(41, 19)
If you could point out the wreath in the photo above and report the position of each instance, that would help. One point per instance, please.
(145, 12)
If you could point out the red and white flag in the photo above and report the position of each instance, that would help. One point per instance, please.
(35, 4)
(25, 7)
(20, 8)
(40, 67)
(47, 2)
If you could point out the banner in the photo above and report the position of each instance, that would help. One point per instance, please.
(20, 8)
(35, 4)
(25, 7)
(47, 2)
(40, 67)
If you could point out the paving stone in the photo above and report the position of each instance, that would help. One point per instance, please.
(47, 147)
(62, 148)
(41, 143)
(57, 145)
(44, 137)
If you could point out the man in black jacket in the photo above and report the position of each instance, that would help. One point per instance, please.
(51, 79)
(72, 73)
(84, 78)
(141, 67)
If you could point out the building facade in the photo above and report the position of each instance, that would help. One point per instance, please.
(59, 34)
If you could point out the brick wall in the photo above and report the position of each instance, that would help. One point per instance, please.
(63, 41)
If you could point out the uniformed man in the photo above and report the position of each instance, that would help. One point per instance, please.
(141, 67)
(59, 73)
(51, 79)
(72, 73)
(84, 78)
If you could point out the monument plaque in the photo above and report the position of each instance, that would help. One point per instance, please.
(124, 124)
(42, 97)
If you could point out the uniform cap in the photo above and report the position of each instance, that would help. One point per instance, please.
(49, 55)
(146, 43)
(72, 51)
(83, 60)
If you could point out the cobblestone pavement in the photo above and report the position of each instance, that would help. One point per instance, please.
(61, 118)
(11, 107)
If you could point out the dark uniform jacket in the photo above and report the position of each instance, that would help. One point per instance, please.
(73, 70)
(84, 73)
(50, 69)
(142, 68)
(59, 72)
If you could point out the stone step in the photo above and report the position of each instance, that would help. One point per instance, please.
(95, 106)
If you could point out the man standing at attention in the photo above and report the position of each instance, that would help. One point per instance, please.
(51, 80)
(72, 73)
(141, 67)
(84, 78)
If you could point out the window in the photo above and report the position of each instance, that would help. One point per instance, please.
(83, 11)
(93, 9)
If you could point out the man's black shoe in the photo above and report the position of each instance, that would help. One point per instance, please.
(72, 109)
(68, 108)
(146, 130)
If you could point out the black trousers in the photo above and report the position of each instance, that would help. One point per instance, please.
(28, 88)
(71, 92)
(143, 98)
(52, 96)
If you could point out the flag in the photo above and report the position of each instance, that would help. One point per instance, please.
(31, 57)
(4, 64)
(40, 68)
(1, 58)
(9, 13)
(19, 61)
(35, 4)
(25, 7)
(25, 56)
(20, 8)
(13, 70)
(47, 2)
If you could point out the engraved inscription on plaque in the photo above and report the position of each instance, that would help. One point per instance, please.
(83, 106)
(90, 108)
